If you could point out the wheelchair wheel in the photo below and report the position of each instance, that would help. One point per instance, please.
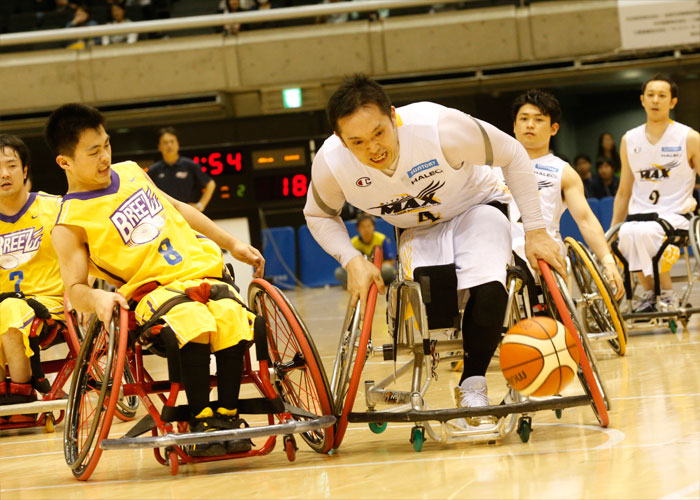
(94, 393)
(300, 377)
(563, 309)
(600, 301)
(127, 405)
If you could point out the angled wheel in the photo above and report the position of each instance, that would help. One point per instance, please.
(300, 377)
(94, 393)
(563, 308)
(127, 405)
(600, 301)
(352, 356)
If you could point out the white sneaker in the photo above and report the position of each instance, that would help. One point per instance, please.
(647, 303)
(668, 301)
(472, 393)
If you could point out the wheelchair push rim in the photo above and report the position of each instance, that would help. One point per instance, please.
(299, 377)
(594, 290)
(591, 381)
(88, 420)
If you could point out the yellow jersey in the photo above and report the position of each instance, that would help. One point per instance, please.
(28, 262)
(136, 236)
(366, 249)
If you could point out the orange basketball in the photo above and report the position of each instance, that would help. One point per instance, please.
(539, 356)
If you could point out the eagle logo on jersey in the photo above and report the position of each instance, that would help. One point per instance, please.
(19, 247)
(658, 172)
(406, 203)
(137, 219)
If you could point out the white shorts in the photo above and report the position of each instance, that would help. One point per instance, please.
(476, 241)
(640, 240)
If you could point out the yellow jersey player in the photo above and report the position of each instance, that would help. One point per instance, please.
(116, 224)
(30, 282)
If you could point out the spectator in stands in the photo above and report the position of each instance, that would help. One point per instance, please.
(605, 183)
(353, 16)
(180, 177)
(81, 19)
(230, 7)
(64, 5)
(365, 242)
(582, 164)
(118, 11)
(608, 149)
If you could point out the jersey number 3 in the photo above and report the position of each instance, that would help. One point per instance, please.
(166, 249)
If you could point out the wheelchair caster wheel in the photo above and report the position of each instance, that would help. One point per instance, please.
(49, 423)
(172, 461)
(558, 412)
(290, 447)
(524, 428)
(377, 427)
(417, 438)
(672, 325)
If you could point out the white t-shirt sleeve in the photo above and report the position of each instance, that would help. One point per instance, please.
(324, 202)
(467, 141)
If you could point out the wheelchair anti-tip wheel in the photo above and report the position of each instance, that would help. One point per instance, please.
(563, 309)
(599, 299)
(94, 393)
(299, 379)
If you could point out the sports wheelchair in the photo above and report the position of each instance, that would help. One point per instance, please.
(289, 377)
(688, 241)
(423, 336)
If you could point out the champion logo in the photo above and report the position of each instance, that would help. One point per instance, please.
(363, 182)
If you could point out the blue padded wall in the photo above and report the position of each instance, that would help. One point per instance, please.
(279, 250)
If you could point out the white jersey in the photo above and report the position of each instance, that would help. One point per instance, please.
(663, 178)
(549, 170)
(424, 189)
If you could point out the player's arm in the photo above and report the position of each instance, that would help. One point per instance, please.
(624, 190)
(204, 225)
(73, 260)
(693, 148)
(466, 139)
(588, 224)
(324, 202)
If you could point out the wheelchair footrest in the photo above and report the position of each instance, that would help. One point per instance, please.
(682, 311)
(451, 413)
(293, 427)
(253, 406)
(33, 407)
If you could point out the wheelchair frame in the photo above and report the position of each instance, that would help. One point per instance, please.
(683, 239)
(410, 406)
(114, 350)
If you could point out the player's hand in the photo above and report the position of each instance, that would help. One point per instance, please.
(540, 245)
(250, 255)
(361, 274)
(105, 302)
(612, 274)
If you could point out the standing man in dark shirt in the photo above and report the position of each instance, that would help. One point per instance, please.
(180, 177)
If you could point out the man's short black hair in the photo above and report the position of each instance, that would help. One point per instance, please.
(355, 92)
(167, 130)
(582, 156)
(659, 77)
(18, 146)
(67, 123)
(543, 100)
(362, 216)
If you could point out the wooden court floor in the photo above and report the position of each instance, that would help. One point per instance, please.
(650, 450)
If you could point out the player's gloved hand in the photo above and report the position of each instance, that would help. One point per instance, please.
(612, 274)
(361, 274)
(104, 303)
(250, 255)
(540, 245)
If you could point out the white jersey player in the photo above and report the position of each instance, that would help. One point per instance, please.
(659, 162)
(422, 168)
(536, 115)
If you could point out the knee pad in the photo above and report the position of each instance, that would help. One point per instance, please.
(487, 304)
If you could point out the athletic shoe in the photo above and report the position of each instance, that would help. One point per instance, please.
(472, 393)
(229, 419)
(647, 303)
(668, 301)
(204, 422)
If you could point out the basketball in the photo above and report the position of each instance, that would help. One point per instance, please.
(539, 357)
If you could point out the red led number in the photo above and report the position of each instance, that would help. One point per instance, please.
(216, 166)
(299, 186)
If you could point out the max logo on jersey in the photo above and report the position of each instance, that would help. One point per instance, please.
(406, 203)
(137, 219)
(18, 247)
(658, 172)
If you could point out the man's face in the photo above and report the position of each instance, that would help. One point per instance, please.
(366, 230)
(657, 100)
(533, 129)
(89, 166)
(12, 173)
(371, 136)
(583, 167)
(168, 144)
(605, 171)
(117, 13)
